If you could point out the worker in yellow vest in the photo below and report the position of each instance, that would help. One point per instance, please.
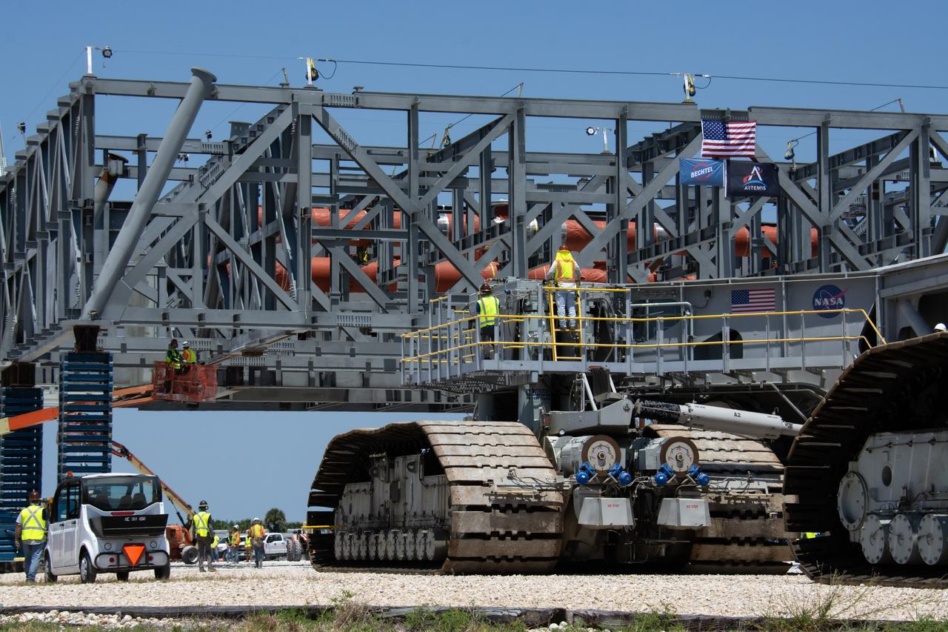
(248, 546)
(565, 273)
(233, 553)
(201, 532)
(488, 307)
(257, 533)
(31, 534)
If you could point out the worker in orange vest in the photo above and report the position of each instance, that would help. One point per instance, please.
(233, 553)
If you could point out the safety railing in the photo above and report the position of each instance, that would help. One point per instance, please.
(187, 383)
(634, 345)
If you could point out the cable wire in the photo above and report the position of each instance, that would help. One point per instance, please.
(574, 71)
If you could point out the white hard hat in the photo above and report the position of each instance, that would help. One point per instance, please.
(236, 527)
(940, 327)
(187, 344)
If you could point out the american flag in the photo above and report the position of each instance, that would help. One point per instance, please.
(760, 300)
(732, 138)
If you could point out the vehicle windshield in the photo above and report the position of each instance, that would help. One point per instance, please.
(121, 493)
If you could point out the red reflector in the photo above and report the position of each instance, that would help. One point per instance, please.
(134, 553)
(111, 560)
(123, 513)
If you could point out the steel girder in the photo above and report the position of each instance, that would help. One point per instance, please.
(228, 256)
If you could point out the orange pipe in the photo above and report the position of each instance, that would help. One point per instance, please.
(446, 275)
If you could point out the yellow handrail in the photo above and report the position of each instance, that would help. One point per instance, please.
(458, 334)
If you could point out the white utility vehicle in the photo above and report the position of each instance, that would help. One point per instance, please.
(111, 523)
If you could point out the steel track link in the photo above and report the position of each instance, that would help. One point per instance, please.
(887, 389)
(747, 532)
(505, 512)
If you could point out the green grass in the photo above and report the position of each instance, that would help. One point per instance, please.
(349, 615)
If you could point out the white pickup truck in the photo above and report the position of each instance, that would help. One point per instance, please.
(274, 545)
(107, 523)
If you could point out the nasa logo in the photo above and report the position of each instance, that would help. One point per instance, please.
(829, 297)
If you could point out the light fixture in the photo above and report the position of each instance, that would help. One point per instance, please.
(208, 134)
(790, 154)
(592, 131)
(106, 54)
(21, 126)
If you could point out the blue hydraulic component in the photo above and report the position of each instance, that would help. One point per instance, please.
(21, 462)
(85, 413)
(700, 477)
(586, 473)
(665, 473)
(620, 475)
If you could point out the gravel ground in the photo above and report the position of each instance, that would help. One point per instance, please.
(297, 584)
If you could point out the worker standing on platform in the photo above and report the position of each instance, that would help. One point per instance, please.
(488, 307)
(173, 356)
(565, 273)
(257, 533)
(188, 355)
(201, 532)
(31, 533)
(173, 360)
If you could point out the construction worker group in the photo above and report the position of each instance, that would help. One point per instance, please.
(202, 533)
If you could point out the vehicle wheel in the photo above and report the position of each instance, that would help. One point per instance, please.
(122, 576)
(87, 572)
(189, 555)
(163, 572)
(48, 571)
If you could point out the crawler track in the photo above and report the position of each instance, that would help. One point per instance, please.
(503, 528)
(747, 533)
(901, 387)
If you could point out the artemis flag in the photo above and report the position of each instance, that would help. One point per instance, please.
(721, 139)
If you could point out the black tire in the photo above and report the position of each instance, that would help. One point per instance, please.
(163, 573)
(48, 571)
(189, 555)
(297, 551)
(87, 572)
(122, 576)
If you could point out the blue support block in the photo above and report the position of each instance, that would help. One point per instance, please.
(21, 462)
(85, 414)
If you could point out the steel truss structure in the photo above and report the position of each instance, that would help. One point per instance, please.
(299, 249)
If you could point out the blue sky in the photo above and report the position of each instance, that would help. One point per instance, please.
(621, 50)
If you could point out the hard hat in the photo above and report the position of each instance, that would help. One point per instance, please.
(34, 495)
(256, 519)
(485, 288)
(940, 327)
(202, 504)
(187, 344)
(236, 527)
